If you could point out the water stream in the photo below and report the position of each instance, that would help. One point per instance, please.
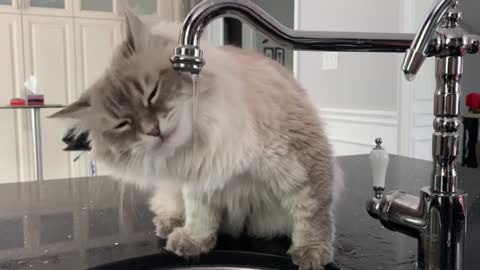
(194, 111)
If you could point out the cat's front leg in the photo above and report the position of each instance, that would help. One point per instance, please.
(167, 205)
(313, 229)
(202, 220)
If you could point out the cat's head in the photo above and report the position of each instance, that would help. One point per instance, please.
(140, 103)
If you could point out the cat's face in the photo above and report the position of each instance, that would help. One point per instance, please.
(140, 104)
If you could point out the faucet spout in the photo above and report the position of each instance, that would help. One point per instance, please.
(188, 56)
(416, 54)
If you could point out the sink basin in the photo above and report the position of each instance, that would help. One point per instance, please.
(215, 260)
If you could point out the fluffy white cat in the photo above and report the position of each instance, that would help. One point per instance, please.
(262, 162)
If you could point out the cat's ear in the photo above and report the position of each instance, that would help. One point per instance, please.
(137, 32)
(75, 110)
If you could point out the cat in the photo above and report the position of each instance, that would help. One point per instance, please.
(256, 159)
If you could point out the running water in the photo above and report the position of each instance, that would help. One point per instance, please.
(194, 110)
(195, 97)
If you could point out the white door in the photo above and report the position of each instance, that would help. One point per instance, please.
(49, 55)
(95, 41)
(48, 7)
(13, 148)
(10, 6)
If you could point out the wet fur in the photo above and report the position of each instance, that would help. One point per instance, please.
(262, 162)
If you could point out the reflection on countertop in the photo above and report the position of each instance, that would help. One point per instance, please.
(72, 223)
(79, 223)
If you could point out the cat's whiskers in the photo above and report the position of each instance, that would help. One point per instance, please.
(136, 155)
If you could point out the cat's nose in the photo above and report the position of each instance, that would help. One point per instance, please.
(154, 131)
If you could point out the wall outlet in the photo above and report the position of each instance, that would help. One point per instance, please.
(330, 61)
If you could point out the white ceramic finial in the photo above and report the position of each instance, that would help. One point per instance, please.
(379, 164)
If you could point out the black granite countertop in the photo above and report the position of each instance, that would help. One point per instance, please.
(79, 223)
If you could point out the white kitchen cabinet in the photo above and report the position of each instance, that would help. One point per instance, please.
(50, 55)
(10, 6)
(14, 163)
(95, 42)
(145, 7)
(47, 7)
(67, 44)
(99, 9)
(112, 9)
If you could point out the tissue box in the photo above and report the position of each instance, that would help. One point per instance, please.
(35, 100)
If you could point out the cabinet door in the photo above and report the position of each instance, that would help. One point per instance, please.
(95, 41)
(10, 6)
(49, 55)
(171, 10)
(48, 7)
(112, 9)
(142, 7)
(104, 9)
(13, 148)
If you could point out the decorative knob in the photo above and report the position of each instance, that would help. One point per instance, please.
(379, 163)
(378, 143)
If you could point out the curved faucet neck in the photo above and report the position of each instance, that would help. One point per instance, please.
(188, 55)
(417, 52)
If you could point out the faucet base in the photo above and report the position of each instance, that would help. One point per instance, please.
(441, 240)
(438, 220)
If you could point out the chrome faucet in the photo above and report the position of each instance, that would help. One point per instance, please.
(188, 55)
(438, 217)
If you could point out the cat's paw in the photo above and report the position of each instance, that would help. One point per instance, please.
(165, 226)
(182, 243)
(312, 257)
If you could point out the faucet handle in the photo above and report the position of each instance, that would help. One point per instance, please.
(379, 163)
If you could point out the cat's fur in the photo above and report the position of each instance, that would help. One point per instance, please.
(261, 160)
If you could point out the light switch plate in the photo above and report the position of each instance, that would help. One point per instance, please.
(330, 61)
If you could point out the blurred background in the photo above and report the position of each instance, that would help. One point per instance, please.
(67, 44)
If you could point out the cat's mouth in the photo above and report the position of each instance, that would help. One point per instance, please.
(165, 137)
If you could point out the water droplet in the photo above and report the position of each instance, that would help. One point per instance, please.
(116, 244)
(69, 236)
(45, 262)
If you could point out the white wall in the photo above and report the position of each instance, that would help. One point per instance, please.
(366, 96)
(471, 21)
(362, 81)
(416, 98)
(358, 100)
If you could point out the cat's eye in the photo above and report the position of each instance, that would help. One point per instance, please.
(166, 113)
(122, 124)
(152, 94)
